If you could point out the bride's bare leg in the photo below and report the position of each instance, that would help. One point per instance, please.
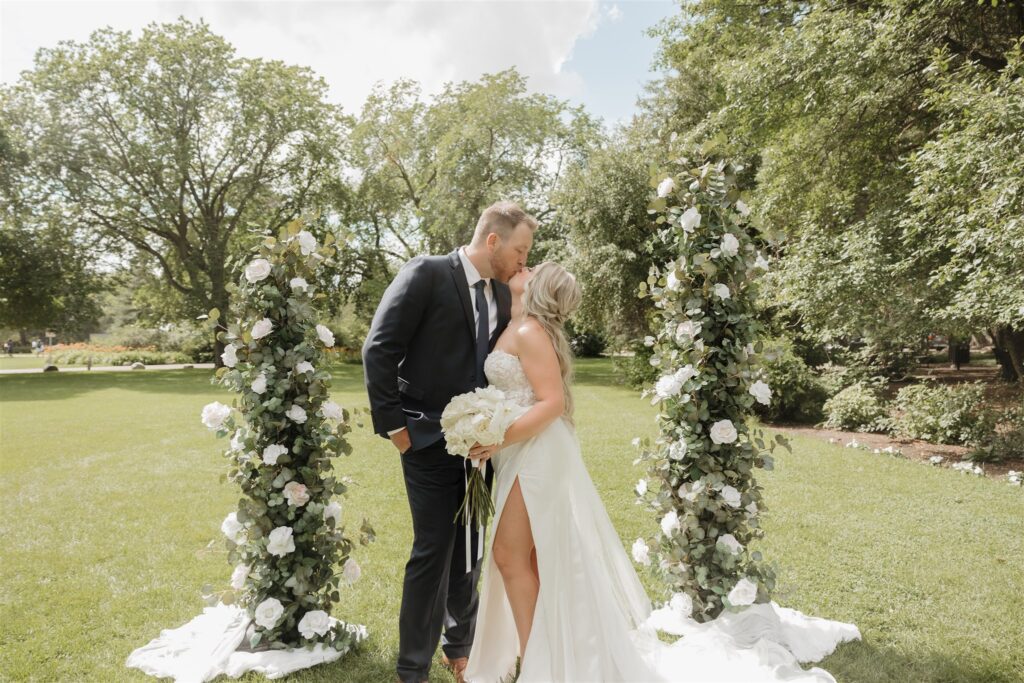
(514, 554)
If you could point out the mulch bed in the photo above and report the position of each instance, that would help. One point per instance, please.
(917, 450)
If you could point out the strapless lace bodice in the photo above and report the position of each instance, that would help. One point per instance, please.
(505, 372)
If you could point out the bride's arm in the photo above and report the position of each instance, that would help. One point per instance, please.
(540, 362)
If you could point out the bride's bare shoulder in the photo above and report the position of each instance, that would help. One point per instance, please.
(531, 338)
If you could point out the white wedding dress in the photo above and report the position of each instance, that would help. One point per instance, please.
(593, 621)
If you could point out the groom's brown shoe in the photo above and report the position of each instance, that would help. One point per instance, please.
(457, 666)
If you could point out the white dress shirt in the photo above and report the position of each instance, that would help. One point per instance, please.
(472, 276)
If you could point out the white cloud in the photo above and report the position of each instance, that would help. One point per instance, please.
(351, 45)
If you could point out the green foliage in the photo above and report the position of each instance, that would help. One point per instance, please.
(47, 281)
(427, 168)
(635, 365)
(1007, 441)
(858, 407)
(585, 343)
(168, 144)
(303, 579)
(953, 414)
(706, 335)
(885, 141)
(602, 204)
(799, 394)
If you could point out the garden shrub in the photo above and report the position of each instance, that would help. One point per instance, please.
(858, 407)
(799, 393)
(953, 414)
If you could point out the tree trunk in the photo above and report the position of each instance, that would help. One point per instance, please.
(23, 336)
(1009, 352)
(221, 301)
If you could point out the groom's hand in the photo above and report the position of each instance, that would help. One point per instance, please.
(401, 440)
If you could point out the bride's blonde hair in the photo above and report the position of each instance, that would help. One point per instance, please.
(550, 297)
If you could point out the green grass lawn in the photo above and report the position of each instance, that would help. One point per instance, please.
(112, 510)
(21, 361)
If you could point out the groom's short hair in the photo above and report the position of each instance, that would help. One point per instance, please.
(502, 217)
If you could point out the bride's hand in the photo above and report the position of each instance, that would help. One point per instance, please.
(483, 453)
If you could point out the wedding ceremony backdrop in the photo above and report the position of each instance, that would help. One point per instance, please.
(799, 358)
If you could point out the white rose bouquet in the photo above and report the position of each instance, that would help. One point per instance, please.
(481, 416)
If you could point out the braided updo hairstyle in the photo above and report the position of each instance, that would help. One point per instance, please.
(550, 297)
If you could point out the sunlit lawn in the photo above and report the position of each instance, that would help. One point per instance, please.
(111, 499)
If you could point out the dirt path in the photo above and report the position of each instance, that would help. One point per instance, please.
(920, 451)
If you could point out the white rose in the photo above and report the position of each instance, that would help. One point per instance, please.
(696, 488)
(239, 576)
(672, 282)
(332, 411)
(687, 330)
(315, 623)
(721, 291)
(666, 187)
(742, 207)
(230, 356)
(730, 246)
(677, 451)
(686, 373)
(749, 348)
(761, 262)
(238, 440)
(670, 522)
(298, 283)
(690, 219)
(730, 543)
(667, 386)
(257, 270)
(296, 494)
(682, 603)
(751, 508)
(743, 593)
(326, 336)
(723, 431)
(649, 341)
(296, 414)
(280, 541)
(333, 511)
(307, 243)
(761, 391)
(304, 366)
(262, 328)
(272, 452)
(259, 385)
(731, 496)
(214, 415)
(641, 487)
(641, 553)
(351, 571)
(232, 528)
(268, 612)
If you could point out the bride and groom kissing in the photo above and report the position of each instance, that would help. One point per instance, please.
(559, 599)
(559, 593)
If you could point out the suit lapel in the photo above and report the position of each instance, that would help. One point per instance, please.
(459, 278)
(503, 297)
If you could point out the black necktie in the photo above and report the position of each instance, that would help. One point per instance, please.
(482, 331)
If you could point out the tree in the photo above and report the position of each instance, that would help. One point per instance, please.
(829, 104)
(170, 145)
(425, 170)
(46, 282)
(602, 203)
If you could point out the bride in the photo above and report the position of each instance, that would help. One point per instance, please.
(559, 593)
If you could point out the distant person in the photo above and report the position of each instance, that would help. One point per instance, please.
(9, 348)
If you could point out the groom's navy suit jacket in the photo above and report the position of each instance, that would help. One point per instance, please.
(421, 348)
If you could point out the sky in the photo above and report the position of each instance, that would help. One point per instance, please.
(590, 52)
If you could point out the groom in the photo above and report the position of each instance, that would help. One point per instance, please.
(433, 329)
